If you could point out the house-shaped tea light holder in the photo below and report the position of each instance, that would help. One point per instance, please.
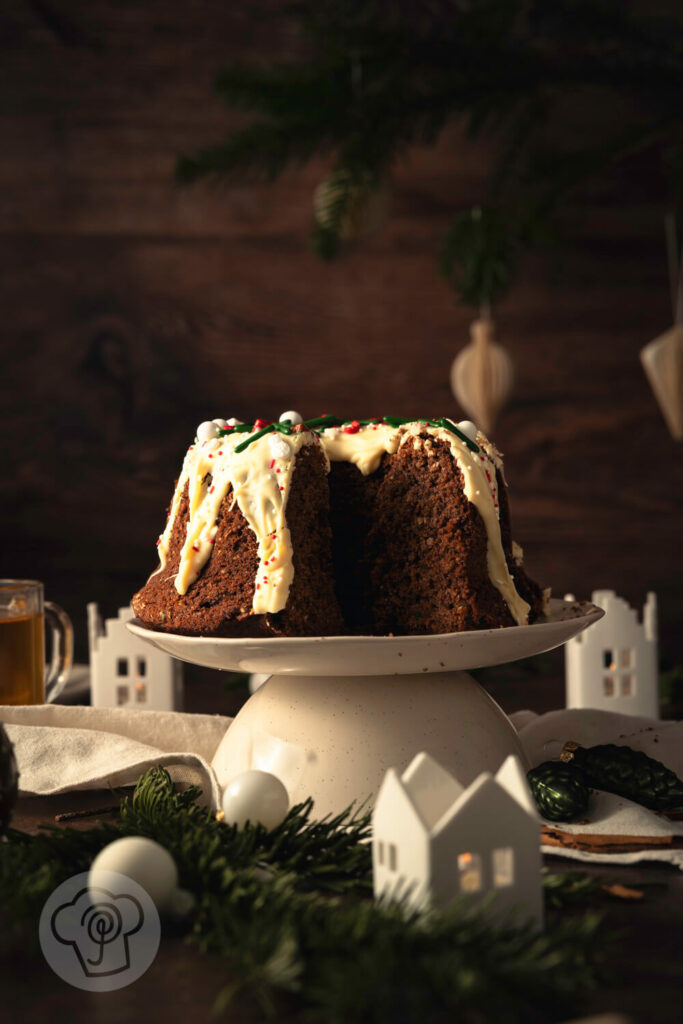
(435, 841)
(127, 672)
(612, 666)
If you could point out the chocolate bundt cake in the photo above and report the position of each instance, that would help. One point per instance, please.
(327, 527)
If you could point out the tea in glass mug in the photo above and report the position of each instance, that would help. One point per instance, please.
(24, 677)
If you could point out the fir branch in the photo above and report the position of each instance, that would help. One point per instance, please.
(285, 908)
(262, 150)
(379, 78)
(479, 255)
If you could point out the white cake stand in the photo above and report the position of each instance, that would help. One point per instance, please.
(338, 711)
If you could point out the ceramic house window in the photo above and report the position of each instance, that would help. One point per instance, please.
(628, 685)
(142, 667)
(122, 694)
(122, 666)
(608, 687)
(380, 852)
(628, 657)
(503, 867)
(469, 869)
(141, 693)
(393, 857)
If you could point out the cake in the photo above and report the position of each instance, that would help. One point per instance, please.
(330, 526)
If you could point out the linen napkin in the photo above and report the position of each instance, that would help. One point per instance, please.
(75, 748)
(69, 748)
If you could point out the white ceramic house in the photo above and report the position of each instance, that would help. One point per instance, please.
(612, 665)
(434, 840)
(126, 671)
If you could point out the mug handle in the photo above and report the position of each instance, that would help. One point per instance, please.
(62, 650)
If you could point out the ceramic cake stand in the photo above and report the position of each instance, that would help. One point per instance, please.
(336, 712)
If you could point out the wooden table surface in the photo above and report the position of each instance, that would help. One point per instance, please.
(644, 965)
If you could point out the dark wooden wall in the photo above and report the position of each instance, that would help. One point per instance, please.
(133, 309)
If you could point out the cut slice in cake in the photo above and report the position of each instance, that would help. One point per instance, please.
(382, 526)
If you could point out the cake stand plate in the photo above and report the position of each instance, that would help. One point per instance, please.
(378, 655)
(339, 711)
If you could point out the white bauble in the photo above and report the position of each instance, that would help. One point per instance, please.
(232, 422)
(468, 428)
(294, 417)
(146, 862)
(207, 431)
(255, 796)
(221, 423)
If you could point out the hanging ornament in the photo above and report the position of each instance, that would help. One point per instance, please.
(9, 780)
(662, 359)
(350, 208)
(482, 375)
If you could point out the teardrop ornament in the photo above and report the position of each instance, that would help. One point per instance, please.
(662, 361)
(482, 376)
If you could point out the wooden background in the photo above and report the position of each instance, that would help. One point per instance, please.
(133, 309)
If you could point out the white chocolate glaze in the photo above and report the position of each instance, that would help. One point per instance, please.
(366, 447)
(260, 485)
(259, 479)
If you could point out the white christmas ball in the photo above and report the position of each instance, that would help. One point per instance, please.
(146, 862)
(232, 422)
(280, 448)
(294, 417)
(207, 431)
(255, 796)
(220, 423)
(468, 428)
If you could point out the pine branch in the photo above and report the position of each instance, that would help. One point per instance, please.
(289, 914)
(479, 255)
(262, 150)
(379, 78)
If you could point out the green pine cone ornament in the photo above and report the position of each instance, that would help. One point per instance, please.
(628, 773)
(9, 780)
(560, 790)
(349, 207)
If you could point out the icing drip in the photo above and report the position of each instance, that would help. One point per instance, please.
(258, 475)
(365, 449)
(259, 482)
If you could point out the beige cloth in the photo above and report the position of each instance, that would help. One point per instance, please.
(68, 748)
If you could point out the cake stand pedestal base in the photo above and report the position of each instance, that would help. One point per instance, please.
(332, 738)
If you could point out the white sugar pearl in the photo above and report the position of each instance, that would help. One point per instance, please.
(220, 423)
(207, 431)
(294, 417)
(255, 796)
(232, 422)
(279, 447)
(146, 862)
(468, 428)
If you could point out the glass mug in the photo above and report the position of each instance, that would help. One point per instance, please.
(24, 677)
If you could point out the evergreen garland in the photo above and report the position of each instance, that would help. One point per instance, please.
(379, 77)
(291, 914)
